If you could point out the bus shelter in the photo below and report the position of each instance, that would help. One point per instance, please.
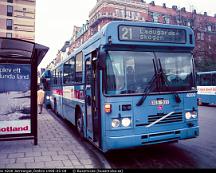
(18, 88)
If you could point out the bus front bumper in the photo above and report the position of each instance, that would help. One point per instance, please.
(151, 138)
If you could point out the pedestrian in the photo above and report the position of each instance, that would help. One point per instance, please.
(40, 99)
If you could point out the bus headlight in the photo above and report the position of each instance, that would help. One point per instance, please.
(115, 123)
(126, 122)
(47, 97)
(188, 115)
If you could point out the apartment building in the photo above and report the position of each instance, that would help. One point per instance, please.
(204, 26)
(17, 19)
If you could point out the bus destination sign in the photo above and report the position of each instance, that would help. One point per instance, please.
(152, 34)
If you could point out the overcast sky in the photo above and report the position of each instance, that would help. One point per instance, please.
(55, 19)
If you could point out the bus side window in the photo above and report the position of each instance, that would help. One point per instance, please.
(68, 76)
(88, 72)
(59, 78)
(79, 67)
(55, 78)
(205, 80)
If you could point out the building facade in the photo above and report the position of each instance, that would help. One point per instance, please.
(204, 26)
(17, 19)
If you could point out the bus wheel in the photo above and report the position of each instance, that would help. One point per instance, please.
(79, 123)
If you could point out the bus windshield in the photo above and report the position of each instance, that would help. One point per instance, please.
(132, 72)
(177, 69)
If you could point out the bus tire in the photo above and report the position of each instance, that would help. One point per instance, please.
(79, 122)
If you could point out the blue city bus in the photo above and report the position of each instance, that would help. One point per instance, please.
(131, 84)
(45, 83)
(206, 86)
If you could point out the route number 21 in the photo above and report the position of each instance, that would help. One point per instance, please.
(127, 33)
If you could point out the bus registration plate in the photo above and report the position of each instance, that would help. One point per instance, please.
(160, 102)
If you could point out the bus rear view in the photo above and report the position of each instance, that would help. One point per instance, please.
(148, 93)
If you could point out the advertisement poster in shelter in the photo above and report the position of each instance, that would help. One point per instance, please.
(15, 99)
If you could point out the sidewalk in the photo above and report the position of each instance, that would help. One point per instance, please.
(57, 148)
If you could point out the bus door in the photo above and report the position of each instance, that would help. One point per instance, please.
(92, 121)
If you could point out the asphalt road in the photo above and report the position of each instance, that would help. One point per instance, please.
(192, 153)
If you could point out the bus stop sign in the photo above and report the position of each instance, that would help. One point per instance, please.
(18, 88)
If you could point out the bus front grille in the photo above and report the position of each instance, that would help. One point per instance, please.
(175, 117)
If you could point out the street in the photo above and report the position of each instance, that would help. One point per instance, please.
(193, 153)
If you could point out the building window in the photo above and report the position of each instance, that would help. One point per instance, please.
(9, 35)
(9, 24)
(9, 10)
(189, 23)
(209, 28)
(11, 1)
(155, 18)
(110, 13)
(200, 36)
(209, 38)
(122, 13)
(166, 19)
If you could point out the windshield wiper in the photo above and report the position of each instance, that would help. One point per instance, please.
(158, 75)
(148, 89)
(177, 98)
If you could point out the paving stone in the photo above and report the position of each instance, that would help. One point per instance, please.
(42, 149)
(15, 155)
(54, 164)
(60, 157)
(75, 162)
(67, 163)
(35, 165)
(43, 159)
(16, 165)
(72, 157)
(79, 166)
(83, 156)
(2, 166)
(86, 161)
(49, 153)
(65, 152)
(3, 156)
(7, 161)
(32, 154)
(89, 166)
(55, 149)
(25, 160)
